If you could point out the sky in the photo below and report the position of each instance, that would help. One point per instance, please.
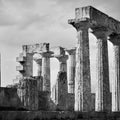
(37, 21)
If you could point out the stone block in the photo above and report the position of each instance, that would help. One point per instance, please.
(36, 48)
(39, 83)
(97, 18)
(61, 91)
(28, 93)
(9, 98)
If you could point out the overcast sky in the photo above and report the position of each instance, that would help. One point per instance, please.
(36, 21)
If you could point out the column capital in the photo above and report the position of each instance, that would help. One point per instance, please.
(115, 39)
(38, 61)
(71, 51)
(47, 54)
(100, 32)
(80, 24)
(62, 58)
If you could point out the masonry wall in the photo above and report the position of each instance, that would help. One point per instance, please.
(9, 98)
(28, 65)
(28, 93)
(61, 91)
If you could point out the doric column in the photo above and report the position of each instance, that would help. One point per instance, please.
(103, 90)
(71, 70)
(38, 60)
(115, 39)
(62, 62)
(82, 72)
(46, 70)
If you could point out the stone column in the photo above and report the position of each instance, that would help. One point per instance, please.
(71, 70)
(63, 62)
(39, 64)
(46, 70)
(39, 77)
(116, 81)
(103, 89)
(82, 72)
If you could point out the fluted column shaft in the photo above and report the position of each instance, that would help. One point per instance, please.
(71, 70)
(103, 89)
(116, 81)
(82, 72)
(116, 87)
(46, 70)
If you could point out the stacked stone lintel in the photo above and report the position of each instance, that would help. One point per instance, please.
(25, 60)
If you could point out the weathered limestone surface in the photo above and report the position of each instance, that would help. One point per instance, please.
(9, 98)
(26, 58)
(96, 18)
(115, 39)
(26, 66)
(69, 98)
(61, 91)
(70, 101)
(39, 80)
(21, 59)
(36, 48)
(71, 70)
(103, 89)
(59, 53)
(28, 93)
(46, 70)
(82, 73)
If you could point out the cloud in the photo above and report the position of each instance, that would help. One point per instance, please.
(23, 12)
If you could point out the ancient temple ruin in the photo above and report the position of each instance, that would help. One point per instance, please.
(78, 84)
(102, 27)
(72, 92)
